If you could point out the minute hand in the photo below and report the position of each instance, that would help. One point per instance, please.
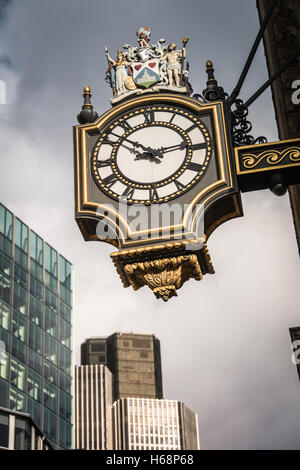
(180, 146)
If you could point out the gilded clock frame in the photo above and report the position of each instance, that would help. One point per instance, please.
(165, 181)
(86, 209)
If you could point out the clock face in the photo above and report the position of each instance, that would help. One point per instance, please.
(151, 154)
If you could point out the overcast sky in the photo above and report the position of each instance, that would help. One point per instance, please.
(225, 340)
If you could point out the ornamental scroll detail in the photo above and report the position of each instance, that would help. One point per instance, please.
(273, 157)
(164, 276)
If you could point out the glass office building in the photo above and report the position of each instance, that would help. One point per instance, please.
(35, 330)
(18, 431)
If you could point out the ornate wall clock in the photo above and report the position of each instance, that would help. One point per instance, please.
(153, 175)
(157, 173)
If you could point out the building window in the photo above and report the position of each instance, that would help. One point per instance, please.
(4, 359)
(3, 428)
(34, 409)
(18, 350)
(19, 326)
(65, 333)
(35, 337)
(50, 372)
(97, 347)
(34, 360)
(17, 374)
(50, 427)
(5, 288)
(5, 264)
(50, 322)
(17, 400)
(141, 343)
(65, 382)
(35, 311)
(21, 276)
(50, 349)
(65, 312)
(36, 270)
(21, 258)
(21, 235)
(65, 294)
(65, 360)
(34, 385)
(22, 434)
(50, 396)
(51, 260)
(20, 298)
(36, 248)
(51, 300)
(4, 315)
(36, 288)
(6, 219)
(65, 276)
(144, 354)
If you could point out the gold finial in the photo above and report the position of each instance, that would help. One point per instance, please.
(86, 89)
(209, 64)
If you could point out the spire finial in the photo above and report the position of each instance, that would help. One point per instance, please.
(87, 114)
(212, 92)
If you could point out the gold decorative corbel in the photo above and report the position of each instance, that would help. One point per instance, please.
(164, 276)
(162, 267)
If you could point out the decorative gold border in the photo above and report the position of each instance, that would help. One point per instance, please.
(82, 198)
(158, 123)
(239, 150)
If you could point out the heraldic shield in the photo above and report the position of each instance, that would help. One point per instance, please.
(146, 74)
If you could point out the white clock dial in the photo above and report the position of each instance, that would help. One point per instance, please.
(151, 154)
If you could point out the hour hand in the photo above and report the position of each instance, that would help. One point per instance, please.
(147, 156)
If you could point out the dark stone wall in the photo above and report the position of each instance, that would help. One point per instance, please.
(281, 41)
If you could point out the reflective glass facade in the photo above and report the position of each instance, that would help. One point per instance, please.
(35, 329)
(19, 432)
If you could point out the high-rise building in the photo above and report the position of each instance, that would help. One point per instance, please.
(139, 418)
(35, 330)
(133, 359)
(93, 408)
(151, 424)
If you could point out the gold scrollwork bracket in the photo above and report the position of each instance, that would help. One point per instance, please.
(164, 275)
(255, 163)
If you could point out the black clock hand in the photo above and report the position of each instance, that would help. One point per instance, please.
(147, 156)
(180, 146)
(135, 144)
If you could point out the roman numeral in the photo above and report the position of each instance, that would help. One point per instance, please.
(153, 194)
(110, 180)
(149, 116)
(125, 125)
(109, 142)
(179, 185)
(103, 163)
(194, 166)
(203, 145)
(172, 117)
(129, 192)
(191, 128)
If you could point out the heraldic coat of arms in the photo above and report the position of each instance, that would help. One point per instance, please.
(146, 68)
